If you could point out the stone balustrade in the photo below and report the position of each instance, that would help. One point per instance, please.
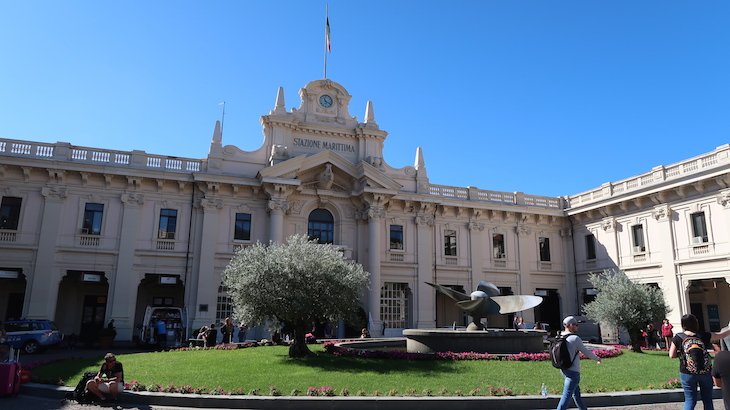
(63, 151)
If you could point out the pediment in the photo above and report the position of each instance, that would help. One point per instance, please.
(329, 170)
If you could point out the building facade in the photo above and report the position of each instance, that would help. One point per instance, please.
(88, 234)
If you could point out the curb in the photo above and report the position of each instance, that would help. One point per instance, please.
(382, 403)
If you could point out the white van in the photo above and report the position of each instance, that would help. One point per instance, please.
(174, 318)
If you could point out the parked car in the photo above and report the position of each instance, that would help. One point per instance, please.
(32, 335)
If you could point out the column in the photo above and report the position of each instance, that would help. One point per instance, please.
(526, 248)
(476, 250)
(277, 207)
(571, 297)
(425, 302)
(42, 288)
(124, 283)
(207, 283)
(375, 215)
(674, 292)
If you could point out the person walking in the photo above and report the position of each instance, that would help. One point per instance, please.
(695, 365)
(571, 385)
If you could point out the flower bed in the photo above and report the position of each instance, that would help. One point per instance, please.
(334, 349)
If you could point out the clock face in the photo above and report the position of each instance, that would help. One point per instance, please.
(325, 101)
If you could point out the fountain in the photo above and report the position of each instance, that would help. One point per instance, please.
(486, 300)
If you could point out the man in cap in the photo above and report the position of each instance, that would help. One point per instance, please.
(571, 386)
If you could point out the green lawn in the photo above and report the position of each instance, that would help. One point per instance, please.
(263, 367)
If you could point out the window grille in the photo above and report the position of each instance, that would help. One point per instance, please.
(224, 305)
(394, 305)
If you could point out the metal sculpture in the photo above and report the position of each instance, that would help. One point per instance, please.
(486, 300)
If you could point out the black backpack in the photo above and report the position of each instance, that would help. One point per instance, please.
(79, 394)
(696, 358)
(559, 355)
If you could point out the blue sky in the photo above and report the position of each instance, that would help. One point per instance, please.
(544, 97)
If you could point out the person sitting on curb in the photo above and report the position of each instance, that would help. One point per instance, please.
(109, 380)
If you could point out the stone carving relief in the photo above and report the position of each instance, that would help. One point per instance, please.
(375, 212)
(326, 178)
(424, 219)
(475, 226)
(609, 224)
(277, 204)
(295, 207)
(54, 192)
(723, 198)
(522, 229)
(211, 203)
(132, 198)
(662, 213)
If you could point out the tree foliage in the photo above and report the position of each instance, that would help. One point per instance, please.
(622, 302)
(296, 283)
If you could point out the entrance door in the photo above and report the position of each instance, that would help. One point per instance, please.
(92, 317)
(15, 306)
(549, 310)
(448, 312)
(696, 309)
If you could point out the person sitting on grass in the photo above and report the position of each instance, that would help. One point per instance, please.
(109, 380)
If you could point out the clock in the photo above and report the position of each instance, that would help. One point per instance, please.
(325, 101)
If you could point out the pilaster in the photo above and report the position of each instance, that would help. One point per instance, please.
(205, 283)
(425, 303)
(124, 283)
(674, 293)
(42, 288)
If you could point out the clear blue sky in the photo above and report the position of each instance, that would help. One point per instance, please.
(545, 97)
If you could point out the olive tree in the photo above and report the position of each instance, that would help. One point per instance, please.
(296, 283)
(622, 302)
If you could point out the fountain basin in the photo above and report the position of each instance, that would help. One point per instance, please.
(495, 341)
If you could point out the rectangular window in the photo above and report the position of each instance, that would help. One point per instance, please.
(93, 214)
(396, 237)
(10, 212)
(544, 250)
(243, 227)
(224, 305)
(590, 247)
(699, 228)
(394, 305)
(449, 243)
(637, 233)
(498, 246)
(168, 223)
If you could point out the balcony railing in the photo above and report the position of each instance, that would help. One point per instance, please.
(62, 151)
(718, 158)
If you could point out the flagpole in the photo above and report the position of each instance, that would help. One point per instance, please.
(326, 35)
(223, 116)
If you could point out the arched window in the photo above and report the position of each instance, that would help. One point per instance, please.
(321, 226)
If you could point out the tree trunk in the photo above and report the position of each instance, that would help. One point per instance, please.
(636, 339)
(299, 347)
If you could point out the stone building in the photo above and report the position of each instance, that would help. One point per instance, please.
(89, 234)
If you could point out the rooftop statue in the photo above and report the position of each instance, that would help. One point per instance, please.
(486, 300)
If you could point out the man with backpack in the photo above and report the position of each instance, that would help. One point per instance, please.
(565, 354)
(695, 363)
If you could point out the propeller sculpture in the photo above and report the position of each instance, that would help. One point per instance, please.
(486, 300)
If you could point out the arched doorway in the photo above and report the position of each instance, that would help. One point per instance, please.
(81, 306)
(321, 226)
(158, 291)
(12, 290)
